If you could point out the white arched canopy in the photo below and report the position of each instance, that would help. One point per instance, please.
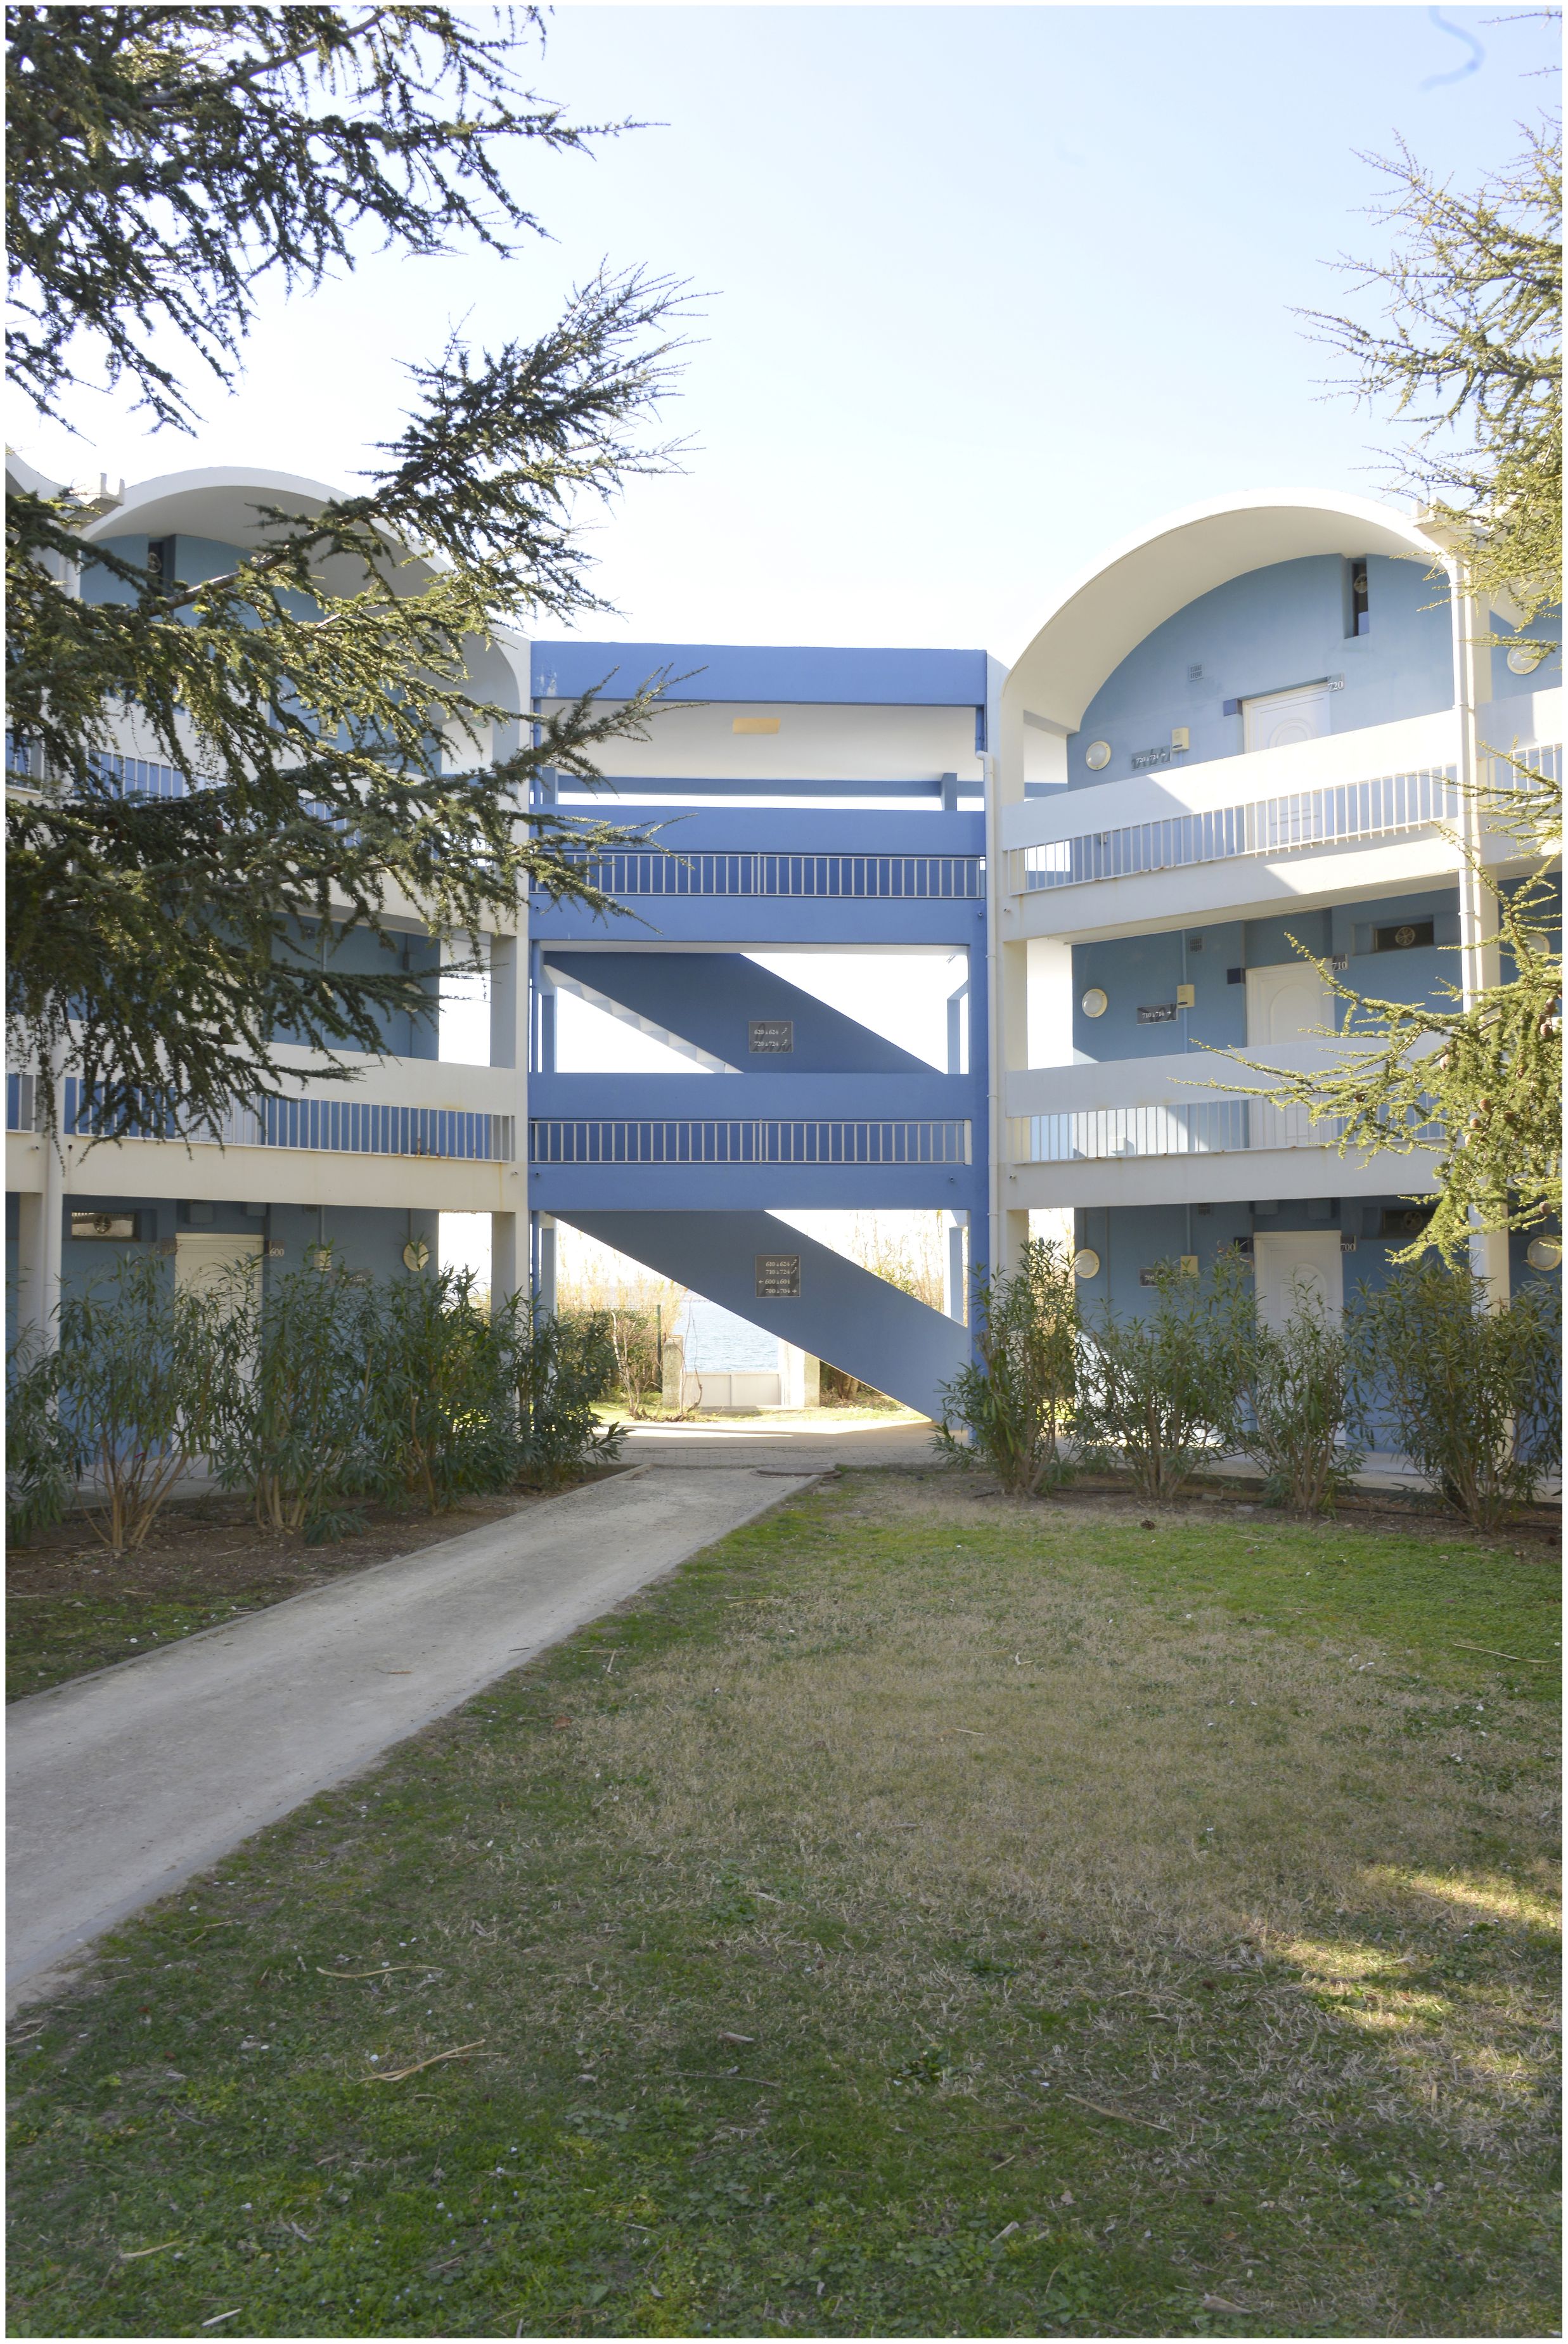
(1110, 610)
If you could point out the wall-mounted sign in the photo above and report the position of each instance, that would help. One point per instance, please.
(114, 1226)
(1163, 1013)
(770, 1037)
(778, 1274)
(1142, 759)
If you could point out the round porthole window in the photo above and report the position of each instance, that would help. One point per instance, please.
(1086, 1262)
(1527, 657)
(1095, 1003)
(416, 1254)
(1545, 1253)
(1097, 757)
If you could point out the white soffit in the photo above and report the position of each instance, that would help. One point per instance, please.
(1147, 579)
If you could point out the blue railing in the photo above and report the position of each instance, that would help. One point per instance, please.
(327, 1127)
(139, 777)
(581, 1141)
(897, 878)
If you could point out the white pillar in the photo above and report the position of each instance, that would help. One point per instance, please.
(507, 1274)
(1481, 959)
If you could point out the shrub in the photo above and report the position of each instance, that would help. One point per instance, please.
(562, 1366)
(298, 1441)
(1471, 1396)
(1296, 1404)
(638, 1368)
(40, 1467)
(1159, 1393)
(148, 1376)
(1017, 1400)
(442, 1394)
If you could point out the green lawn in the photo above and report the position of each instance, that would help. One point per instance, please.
(923, 1915)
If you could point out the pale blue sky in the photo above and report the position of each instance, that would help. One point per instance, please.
(987, 287)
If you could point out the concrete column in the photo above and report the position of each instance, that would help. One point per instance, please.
(508, 1274)
(544, 1260)
(42, 1232)
(1480, 960)
(955, 1285)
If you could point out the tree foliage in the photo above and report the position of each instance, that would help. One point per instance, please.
(1469, 348)
(1479, 1081)
(344, 766)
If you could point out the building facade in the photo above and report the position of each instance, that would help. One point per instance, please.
(1245, 733)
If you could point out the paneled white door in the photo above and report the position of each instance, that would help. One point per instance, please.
(1288, 1002)
(205, 1258)
(1277, 720)
(1297, 1265)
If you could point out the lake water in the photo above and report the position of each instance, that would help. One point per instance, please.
(721, 1343)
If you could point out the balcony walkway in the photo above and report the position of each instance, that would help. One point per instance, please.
(124, 1783)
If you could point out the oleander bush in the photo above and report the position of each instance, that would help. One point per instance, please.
(1016, 1403)
(40, 1473)
(1296, 1401)
(564, 1366)
(299, 1442)
(147, 1377)
(1160, 1394)
(1471, 1395)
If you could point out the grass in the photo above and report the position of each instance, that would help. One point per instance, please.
(922, 1915)
(73, 1606)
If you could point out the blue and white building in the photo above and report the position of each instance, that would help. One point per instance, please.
(1243, 733)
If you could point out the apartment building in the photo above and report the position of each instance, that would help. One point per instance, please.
(1244, 733)
(1244, 737)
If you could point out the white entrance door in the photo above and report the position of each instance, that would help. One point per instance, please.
(1289, 1002)
(1277, 720)
(1297, 1264)
(203, 1260)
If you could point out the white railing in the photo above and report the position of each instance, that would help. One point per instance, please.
(1277, 825)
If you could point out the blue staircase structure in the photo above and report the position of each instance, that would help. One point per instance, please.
(790, 1103)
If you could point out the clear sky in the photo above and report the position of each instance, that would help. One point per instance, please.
(985, 288)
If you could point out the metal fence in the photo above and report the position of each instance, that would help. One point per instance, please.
(581, 1141)
(1213, 1127)
(896, 878)
(1281, 825)
(325, 1126)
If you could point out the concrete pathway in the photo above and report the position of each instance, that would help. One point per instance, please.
(785, 1443)
(124, 1783)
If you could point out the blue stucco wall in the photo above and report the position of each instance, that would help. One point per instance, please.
(1264, 632)
(1137, 972)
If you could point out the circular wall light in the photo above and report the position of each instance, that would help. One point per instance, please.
(415, 1255)
(1525, 658)
(1086, 1262)
(1097, 757)
(1544, 1253)
(1095, 1003)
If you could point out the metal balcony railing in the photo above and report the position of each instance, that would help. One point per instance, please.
(1213, 1127)
(1279, 826)
(581, 1141)
(897, 878)
(328, 1127)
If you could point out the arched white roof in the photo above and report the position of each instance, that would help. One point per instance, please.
(216, 501)
(219, 502)
(1107, 611)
